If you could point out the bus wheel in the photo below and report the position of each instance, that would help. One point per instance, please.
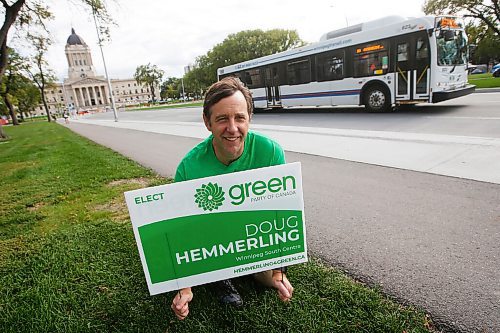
(377, 99)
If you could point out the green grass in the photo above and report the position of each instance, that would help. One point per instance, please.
(485, 80)
(166, 106)
(69, 262)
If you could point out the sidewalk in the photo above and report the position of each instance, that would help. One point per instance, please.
(476, 158)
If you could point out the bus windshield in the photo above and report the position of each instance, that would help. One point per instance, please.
(451, 47)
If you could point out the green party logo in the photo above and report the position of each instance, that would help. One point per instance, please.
(209, 196)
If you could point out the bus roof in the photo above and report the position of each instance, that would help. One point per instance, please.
(373, 30)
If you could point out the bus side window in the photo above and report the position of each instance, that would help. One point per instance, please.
(248, 79)
(253, 78)
(402, 52)
(330, 66)
(371, 59)
(422, 50)
(299, 71)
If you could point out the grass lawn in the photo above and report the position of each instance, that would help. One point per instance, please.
(485, 80)
(69, 262)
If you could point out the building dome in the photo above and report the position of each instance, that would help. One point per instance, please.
(74, 39)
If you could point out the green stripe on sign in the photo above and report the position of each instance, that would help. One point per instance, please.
(198, 244)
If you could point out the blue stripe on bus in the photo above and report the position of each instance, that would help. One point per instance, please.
(316, 94)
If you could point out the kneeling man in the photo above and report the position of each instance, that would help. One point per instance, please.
(227, 111)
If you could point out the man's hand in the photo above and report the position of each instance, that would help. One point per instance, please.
(282, 285)
(180, 303)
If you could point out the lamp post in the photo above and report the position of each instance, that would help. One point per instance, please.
(113, 107)
(183, 94)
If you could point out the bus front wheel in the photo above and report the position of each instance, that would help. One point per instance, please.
(377, 99)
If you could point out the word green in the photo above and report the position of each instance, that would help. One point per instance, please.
(240, 192)
(149, 198)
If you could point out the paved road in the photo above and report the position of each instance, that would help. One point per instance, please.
(476, 115)
(446, 139)
(425, 239)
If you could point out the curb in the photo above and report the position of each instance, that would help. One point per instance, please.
(487, 90)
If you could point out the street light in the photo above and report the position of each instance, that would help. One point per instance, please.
(105, 69)
(183, 94)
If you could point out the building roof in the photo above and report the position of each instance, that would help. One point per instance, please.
(74, 39)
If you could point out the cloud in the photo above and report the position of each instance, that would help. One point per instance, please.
(173, 34)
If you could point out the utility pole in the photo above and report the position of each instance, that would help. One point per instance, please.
(113, 107)
(183, 94)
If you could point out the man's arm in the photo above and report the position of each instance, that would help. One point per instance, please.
(180, 174)
(180, 303)
(278, 156)
(282, 285)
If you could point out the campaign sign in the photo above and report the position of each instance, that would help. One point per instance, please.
(210, 229)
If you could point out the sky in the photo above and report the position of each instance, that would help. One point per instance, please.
(171, 34)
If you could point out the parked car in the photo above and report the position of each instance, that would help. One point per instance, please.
(496, 73)
(477, 71)
(4, 121)
(495, 68)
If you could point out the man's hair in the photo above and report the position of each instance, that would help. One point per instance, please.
(226, 87)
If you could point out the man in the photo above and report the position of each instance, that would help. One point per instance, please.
(227, 111)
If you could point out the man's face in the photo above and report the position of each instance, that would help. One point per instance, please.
(229, 121)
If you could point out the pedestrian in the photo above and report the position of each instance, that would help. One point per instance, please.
(231, 147)
(66, 117)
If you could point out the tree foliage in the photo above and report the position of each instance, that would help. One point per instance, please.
(25, 15)
(170, 88)
(38, 69)
(486, 41)
(27, 95)
(10, 82)
(242, 46)
(18, 93)
(485, 11)
(151, 75)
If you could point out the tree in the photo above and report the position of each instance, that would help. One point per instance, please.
(29, 13)
(10, 82)
(242, 46)
(486, 41)
(170, 88)
(485, 11)
(39, 72)
(150, 75)
(27, 96)
(19, 13)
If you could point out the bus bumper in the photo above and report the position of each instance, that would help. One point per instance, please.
(445, 95)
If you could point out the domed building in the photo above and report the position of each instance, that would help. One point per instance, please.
(84, 91)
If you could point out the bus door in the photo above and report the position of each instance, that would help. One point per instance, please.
(272, 86)
(412, 67)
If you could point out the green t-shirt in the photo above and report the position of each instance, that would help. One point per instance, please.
(259, 151)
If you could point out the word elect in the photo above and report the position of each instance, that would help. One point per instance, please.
(148, 198)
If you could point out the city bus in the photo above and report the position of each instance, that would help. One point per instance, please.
(379, 64)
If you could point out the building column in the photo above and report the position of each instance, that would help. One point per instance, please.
(75, 99)
(104, 95)
(107, 95)
(96, 99)
(85, 99)
(87, 92)
(82, 97)
(98, 95)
